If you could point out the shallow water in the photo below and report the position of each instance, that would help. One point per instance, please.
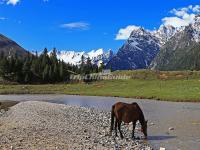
(183, 117)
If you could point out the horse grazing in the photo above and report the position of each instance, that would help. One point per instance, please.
(127, 113)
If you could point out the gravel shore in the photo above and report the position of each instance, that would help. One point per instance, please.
(46, 126)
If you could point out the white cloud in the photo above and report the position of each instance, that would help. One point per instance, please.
(76, 25)
(124, 33)
(12, 2)
(196, 9)
(2, 18)
(182, 16)
(178, 22)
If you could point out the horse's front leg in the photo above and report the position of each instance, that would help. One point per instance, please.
(119, 128)
(133, 132)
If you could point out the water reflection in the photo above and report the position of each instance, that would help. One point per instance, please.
(160, 137)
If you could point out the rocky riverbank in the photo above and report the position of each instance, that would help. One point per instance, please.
(41, 125)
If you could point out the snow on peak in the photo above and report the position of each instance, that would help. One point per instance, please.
(124, 33)
(96, 56)
(164, 33)
(139, 32)
(196, 29)
(140, 37)
(135, 27)
(197, 19)
(96, 53)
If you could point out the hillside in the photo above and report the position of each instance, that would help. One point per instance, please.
(9, 47)
(138, 51)
(141, 48)
(182, 51)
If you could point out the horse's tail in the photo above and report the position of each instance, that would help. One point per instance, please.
(112, 118)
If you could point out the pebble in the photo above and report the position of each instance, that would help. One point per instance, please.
(47, 126)
(171, 128)
(151, 124)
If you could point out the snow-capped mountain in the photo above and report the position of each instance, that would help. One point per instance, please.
(142, 46)
(164, 33)
(138, 51)
(96, 56)
(182, 51)
(196, 29)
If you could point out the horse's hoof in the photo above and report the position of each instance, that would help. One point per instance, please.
(137, 138)
(121, 136)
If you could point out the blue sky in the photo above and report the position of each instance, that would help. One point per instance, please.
(81, 24)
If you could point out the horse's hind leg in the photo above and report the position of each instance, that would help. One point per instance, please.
(119, 128)
(116, 122)
(133, 132)
(112, 119)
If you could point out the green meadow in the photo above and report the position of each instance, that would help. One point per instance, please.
(143, 84)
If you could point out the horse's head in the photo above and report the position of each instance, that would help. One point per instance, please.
(144, 129)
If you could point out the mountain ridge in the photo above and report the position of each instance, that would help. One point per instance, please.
(140, 48)
(143, 47)
(182, 51)
(97, 57)
(10, 48)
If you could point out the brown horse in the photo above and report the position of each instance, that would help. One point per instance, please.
(127, 113)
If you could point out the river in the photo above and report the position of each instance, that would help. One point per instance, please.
(183, 117)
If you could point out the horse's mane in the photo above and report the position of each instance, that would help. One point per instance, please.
(142, 115)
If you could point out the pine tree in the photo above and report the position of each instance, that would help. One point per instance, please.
(53, 56)
(26, 71)
(27, 78)
(45, 58)
(82, 66)
(4, 67)
(50, 75)
(102, 66)
(18, 71)
(61, 71)
(88, 67)
(45, 75)
(41, 69)
(1, 55)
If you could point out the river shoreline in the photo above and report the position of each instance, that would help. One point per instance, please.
(126, 97)
(161, 90)
(161, 116)
(42, 125)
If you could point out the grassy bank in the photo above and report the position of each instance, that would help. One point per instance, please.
(5, 105)
(169, 86)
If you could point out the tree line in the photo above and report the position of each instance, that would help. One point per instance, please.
(43, 68)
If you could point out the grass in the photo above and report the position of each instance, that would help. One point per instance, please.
(143, 84)
(5, 105)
